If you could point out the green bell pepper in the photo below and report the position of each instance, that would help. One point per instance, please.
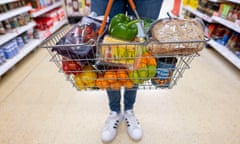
(122, 27)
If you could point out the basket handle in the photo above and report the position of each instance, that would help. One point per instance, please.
(106, 14)
(132, 5)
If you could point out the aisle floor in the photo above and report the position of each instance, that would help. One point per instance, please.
(38, 106)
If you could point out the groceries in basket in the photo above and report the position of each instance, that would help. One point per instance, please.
(121, 45)
(114, 79)
(176, 37)
(71, 67)
(165, 71)
(122, 27)
(115, 51)
(144, 68)
(79, 42)
(86, 78)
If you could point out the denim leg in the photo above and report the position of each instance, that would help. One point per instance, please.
(99, 6)
(129, 98)
(147, 8)
(114, 97)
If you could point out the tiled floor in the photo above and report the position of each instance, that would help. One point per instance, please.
(38, 106)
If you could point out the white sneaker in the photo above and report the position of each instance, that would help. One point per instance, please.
(110, 129)
(134, 128)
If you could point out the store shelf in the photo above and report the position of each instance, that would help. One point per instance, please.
(14, 12)
(199, 14)
(45, 34)
(6, 1)
(227, 23)
(234, 1)
(58, 25)
(47, 9)
(8, 36)
(224, 51)
(22, 53)
(27, 49)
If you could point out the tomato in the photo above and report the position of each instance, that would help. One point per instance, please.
(71, 67)
(66, 69)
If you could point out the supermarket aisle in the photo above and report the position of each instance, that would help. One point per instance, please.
(38, 106)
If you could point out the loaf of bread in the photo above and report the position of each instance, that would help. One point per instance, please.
(176, 36)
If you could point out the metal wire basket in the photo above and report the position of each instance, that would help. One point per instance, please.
(123, 70)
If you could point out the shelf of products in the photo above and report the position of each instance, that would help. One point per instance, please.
(37, 13)
(14, 12)
(6, 1)
(227, 23)
(28, 48)
(224, 51)
(199, 14)
(19, 39)
(235, 1)
(22, 53)
(6, 37)
(222, 26)
(45, 34)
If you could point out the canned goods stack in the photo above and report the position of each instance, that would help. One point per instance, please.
(10, 49)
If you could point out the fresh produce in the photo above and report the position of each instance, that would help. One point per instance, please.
(122, 27)
(145, 68)
(85, 79)
(120, 53)
(70, 67)
(112, 79)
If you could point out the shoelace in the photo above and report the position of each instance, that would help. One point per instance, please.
(112, 123)
(132, 121)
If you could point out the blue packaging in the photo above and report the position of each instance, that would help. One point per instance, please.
(2, 56)
(10, 49)
(165, 69)
(20, 42)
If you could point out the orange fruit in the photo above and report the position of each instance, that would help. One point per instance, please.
(110, 76)
(104, 84)
(98, 83)
(128, 84)
(115, 85)
(122, 75)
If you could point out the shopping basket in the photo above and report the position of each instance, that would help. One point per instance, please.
(93, 64)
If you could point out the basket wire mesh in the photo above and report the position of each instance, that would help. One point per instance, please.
(167, 71)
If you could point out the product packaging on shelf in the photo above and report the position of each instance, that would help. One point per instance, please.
(10, 49)
(77, 7)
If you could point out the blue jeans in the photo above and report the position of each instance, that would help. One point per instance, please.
(146, 9)
(115, 99)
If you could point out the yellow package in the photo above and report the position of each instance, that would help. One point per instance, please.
(118, 51)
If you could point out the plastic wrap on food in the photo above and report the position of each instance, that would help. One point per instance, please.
(80, 41)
